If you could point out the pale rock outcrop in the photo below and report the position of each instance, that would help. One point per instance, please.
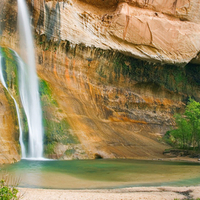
(153, 30)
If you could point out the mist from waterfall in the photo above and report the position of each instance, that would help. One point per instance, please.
(28, 84)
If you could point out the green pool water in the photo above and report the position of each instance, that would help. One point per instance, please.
(81, 174)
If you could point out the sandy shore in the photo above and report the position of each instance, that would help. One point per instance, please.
(150, 193)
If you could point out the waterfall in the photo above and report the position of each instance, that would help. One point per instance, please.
(23, 151)
(28, 84)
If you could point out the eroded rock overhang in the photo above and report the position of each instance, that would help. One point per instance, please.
(166, 31)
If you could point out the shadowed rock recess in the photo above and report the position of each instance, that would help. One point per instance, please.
(112, 73)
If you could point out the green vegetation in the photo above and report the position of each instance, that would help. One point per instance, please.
(10, 70)
(10, 74)
(44, 90)
(49, 148)
(187, 133)
(120, 67)
(56, 130)
(70, 152)
(7, 192)
(46, 48)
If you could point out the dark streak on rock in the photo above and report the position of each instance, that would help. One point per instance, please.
(52, 21)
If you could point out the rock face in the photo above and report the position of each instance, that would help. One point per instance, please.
(8, 132)
(164, 31)
(118, 106)
(118, 69)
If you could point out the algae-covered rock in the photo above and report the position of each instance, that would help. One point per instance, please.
(59, 137)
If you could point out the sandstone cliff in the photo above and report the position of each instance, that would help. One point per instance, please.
(8, 132)
(166, 31)
(118, 70)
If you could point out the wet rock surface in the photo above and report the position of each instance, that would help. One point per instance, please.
(9, 148)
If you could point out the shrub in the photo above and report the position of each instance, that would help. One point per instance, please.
(7, 192)
(187, 133)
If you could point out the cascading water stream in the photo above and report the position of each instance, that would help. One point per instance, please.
(23, 150)
(28, 84)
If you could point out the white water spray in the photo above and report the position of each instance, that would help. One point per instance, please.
(23, 151)
(28, 84)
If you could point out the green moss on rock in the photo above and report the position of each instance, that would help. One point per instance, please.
(10, 69)
(10, 74)
(70, 152)
(56, 130)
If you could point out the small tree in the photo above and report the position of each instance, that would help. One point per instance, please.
(182, 135)
(187, 133)
(192, 113)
